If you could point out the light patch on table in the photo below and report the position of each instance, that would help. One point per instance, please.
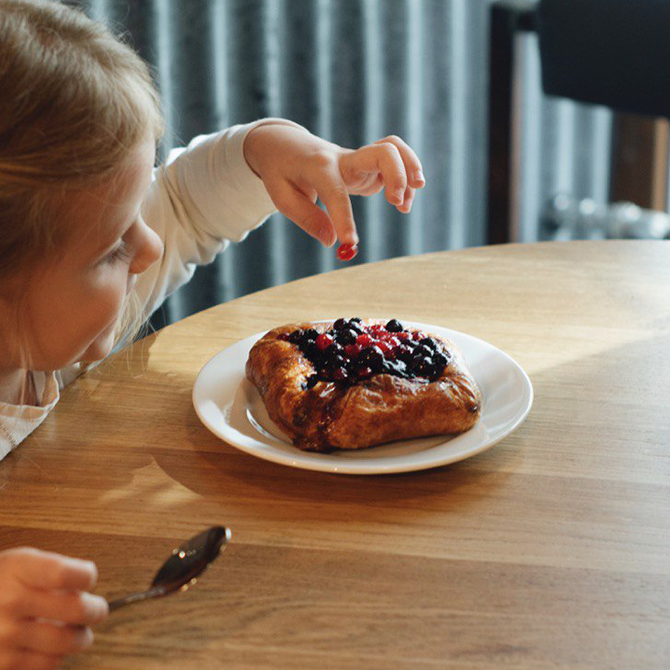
(155, 486)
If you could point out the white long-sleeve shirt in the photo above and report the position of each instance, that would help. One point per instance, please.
(201, 199)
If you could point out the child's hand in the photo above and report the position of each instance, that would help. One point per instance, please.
(45, 609)
(298, 167)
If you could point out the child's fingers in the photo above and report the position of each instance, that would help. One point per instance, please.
(334, 195)
(382, 157)
(336, 200)
(53, 639)
(411, 161)
(28, 660)
(45, 570)
(407, 202)
(307, 215)
(81, 609)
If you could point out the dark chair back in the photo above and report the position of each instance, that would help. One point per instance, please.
(608, 52)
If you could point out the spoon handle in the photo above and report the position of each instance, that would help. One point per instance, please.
(155, 592)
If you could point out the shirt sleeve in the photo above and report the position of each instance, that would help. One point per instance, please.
(204, 197)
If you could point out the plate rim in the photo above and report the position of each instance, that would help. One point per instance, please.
(315, 461)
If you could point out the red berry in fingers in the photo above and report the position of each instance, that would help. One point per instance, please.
(346, 252)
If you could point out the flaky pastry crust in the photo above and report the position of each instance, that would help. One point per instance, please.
(380, 409)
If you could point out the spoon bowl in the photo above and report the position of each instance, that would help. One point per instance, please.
(183, 567)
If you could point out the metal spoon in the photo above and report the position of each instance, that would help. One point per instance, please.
(183, 568)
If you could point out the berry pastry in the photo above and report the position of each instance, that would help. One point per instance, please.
(354, 383)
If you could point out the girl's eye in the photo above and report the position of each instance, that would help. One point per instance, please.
(117, 255)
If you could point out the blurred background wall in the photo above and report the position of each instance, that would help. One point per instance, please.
(353, 71)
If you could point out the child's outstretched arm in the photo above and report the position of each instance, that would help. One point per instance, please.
(298, 167)
(45, 608)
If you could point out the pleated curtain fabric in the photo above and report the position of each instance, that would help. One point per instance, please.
(353, 71)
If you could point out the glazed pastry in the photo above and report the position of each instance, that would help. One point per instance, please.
(355, 383)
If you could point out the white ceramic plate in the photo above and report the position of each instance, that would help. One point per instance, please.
(231, 407)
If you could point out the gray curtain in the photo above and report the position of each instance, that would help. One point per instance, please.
(353, 71)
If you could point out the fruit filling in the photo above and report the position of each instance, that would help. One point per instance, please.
(352, 351)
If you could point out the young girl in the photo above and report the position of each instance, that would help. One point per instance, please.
(93, 238)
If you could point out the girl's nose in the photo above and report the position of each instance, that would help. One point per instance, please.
(149, 249)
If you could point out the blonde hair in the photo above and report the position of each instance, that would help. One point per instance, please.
(75, 102)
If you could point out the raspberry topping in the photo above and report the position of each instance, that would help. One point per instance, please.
(323, 341)
(364, 340)
(352, 351)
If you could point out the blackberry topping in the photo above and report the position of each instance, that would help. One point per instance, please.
(352, 351)
(430, 343)
(423, 350)
(310, 349)
(403, 352)
(346, 335)
(334, 362)
(296, 336)
(440, 361)
(335, 349)
(395, 367)
(423, 366)
(371, 357)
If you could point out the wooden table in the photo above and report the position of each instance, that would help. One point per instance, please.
(551, 550)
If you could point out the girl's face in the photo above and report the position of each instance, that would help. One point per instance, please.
(72, 309)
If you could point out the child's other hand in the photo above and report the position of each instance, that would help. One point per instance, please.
(45, 608)
(298, 167)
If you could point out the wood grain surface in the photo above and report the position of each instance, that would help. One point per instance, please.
(549, 551)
